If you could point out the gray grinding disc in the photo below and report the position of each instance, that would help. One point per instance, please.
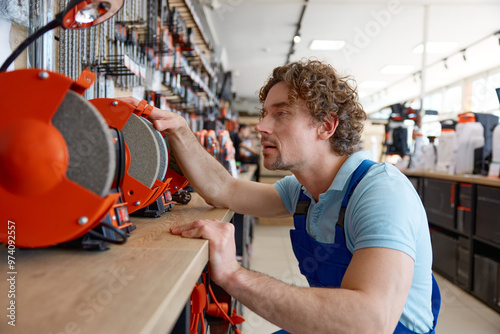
(144, 151)
(92, 156)
(163, 150)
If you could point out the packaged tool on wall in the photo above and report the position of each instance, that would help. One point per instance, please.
(220, 147)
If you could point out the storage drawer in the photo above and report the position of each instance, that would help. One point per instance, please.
(444, 254)
(488, 213)
(465, 195)
(464, 207)
(464, 220)
(486, 280)
(439, 202)
(463, 261)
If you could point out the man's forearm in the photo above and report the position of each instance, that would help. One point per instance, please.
(305, 310)
(203, 171)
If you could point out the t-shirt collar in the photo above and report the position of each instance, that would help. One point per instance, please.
(347, 169)
(345, 172)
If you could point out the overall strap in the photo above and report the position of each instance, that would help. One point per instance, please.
(304, 201)
(358, 174)
(302, 204)
(299, 217)
(356, 177)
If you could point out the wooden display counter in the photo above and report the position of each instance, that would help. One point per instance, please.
(468, 178)
(138, 287)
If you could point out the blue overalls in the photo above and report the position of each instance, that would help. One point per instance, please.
(324, 265)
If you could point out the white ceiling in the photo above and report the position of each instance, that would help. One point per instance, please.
(254, 36)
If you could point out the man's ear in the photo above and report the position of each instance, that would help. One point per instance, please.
(327, 127)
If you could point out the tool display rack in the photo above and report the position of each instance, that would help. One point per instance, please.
(162, 47)
(147, 281)
(463, 214)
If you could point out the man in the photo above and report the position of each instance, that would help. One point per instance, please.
(371, 274)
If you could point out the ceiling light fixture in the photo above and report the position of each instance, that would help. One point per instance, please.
(371, 84)
(362, 94)
(397, 69)
(435, 47)
(326, 45)
(296, 36)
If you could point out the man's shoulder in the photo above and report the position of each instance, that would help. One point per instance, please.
(288, 181)
(385, 171)
(288, 188)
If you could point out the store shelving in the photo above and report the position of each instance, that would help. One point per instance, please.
(465, 230)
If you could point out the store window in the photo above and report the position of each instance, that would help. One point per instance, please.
(452, 103)
(483, 94)
(434, 102)
(415, 104)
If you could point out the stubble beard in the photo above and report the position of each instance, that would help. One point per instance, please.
(277, 164)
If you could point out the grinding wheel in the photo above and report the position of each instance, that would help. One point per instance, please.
(144, 151)
(92, 156)
(163, 150)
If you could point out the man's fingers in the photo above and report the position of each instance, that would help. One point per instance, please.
(178, 229)
(161, 124)
(156, 113)
(194, 233)
(222, 248)
(195, 229)
(162, 120)
(129, 99)
(187, 231)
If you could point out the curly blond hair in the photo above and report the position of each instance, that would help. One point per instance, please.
(326, 95)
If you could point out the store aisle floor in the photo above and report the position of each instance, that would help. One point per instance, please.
(272, 254)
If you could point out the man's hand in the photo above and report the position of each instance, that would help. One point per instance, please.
(222, 248)
(162, 120)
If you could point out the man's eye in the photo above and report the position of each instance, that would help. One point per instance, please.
(262, 114)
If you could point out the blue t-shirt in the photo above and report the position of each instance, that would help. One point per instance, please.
(384, 211)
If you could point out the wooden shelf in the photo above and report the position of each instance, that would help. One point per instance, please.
(467, 178)
(200, 39)
(139, 287)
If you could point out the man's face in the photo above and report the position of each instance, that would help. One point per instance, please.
(287, 132)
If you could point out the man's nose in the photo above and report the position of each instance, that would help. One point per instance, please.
(264, 126)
